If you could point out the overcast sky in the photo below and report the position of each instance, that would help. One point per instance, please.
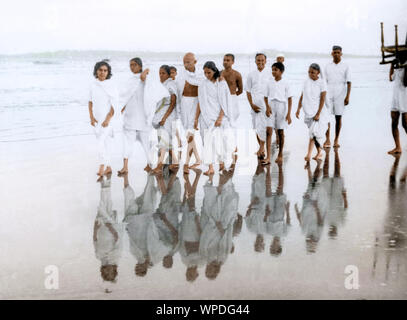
(203, 26)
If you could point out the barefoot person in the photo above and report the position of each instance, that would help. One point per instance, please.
(255, 90)
(135, 123)
(187, 84)
(399, 102)
(102, 99)
(278, 102)
(164, 119)
(337, 77)
(214, 112)
(235, 83)
(315, 113)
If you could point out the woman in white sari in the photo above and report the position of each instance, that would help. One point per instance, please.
(215, 114)
(164, 119)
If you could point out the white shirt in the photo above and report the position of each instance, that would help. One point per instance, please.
(257, 82)
(336, 77)
(100, 99)
(278, 90)
(311, 91)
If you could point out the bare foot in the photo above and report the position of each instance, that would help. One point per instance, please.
(108, 171)
(307, 158)
(186, 169)
(221, 166)
(336, 145)
(265, 162)
(209, 172)
(100, 179)
(147, 168)
(318, 157)
(260, 154)
(173, 167)
(279, 159)
(122, 171)
(158, 169)
(395, 151)
(327, 144)
(195, 165)
(101, 169)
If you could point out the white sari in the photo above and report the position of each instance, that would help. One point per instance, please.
(214, 97)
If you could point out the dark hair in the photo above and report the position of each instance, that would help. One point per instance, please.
(100, 64)
(230, 55)
(138, 61)
(315, 66)
(337, 48)
(211, 65)
(278, 65)
(166, 68)
(173, 68)
(260, 54)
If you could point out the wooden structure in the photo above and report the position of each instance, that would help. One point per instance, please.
(395, 52)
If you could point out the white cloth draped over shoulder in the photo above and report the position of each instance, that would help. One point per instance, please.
(110, 90)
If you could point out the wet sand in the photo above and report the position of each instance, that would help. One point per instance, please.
(50, 197)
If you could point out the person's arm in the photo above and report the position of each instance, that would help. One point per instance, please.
(108, 117)
(93, 121)
(124, 108)
(197, 114)
(113, 231)
(96, 227)
(287, 209)
(239, 84)
(268, 109)
(321, 105)
(290, 103)
(170, 109)
(253, 106)
(297, 114)
(218, 121)
(143, 75)
(349, 86)
(391, 72)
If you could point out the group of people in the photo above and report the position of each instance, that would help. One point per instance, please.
(161, 223)
(186, 101)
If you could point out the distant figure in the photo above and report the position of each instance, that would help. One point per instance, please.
(255, 89)
(312, 100)
(173, 72)
(280, 58)
(107, 234)
(102, 101)
(278, 100)
(399, 102)
(337, 77)
(235, 83)
(135, 126)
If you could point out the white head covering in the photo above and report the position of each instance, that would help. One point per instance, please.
(280, 55)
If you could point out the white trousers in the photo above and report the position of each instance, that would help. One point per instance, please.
(104, 138)
(130, 137)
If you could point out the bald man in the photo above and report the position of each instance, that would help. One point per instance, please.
(187, 84)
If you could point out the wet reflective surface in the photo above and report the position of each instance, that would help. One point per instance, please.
(285, 232)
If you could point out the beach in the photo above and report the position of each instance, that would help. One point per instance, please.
(49, 193)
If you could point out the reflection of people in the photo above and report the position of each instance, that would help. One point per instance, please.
(311, 216)
(162, 237)
(392, 243)
(107, 234)
(190, 229)
(138, 216)
(219, 212)
(337, 200)
(255, 215)
(277, 211)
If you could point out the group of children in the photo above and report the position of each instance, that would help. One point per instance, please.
(186, 101)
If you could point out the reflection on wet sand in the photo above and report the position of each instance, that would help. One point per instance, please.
(107, 234)
(391, 242)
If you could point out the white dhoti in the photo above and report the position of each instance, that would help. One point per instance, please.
(188, 108)
(131, 137)
(278, 114)
(259, 119)
(165, 132)
(104, 137)
(217, 146)
(336, 99)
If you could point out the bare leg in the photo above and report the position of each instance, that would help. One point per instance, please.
(318, 156)
(280, 134)
(395, 115)
(327, 142)
(160, 164)
(277, 138)
(338, 126)
(310, 147)
(260, 152)
(268, 145)
(125, 168)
